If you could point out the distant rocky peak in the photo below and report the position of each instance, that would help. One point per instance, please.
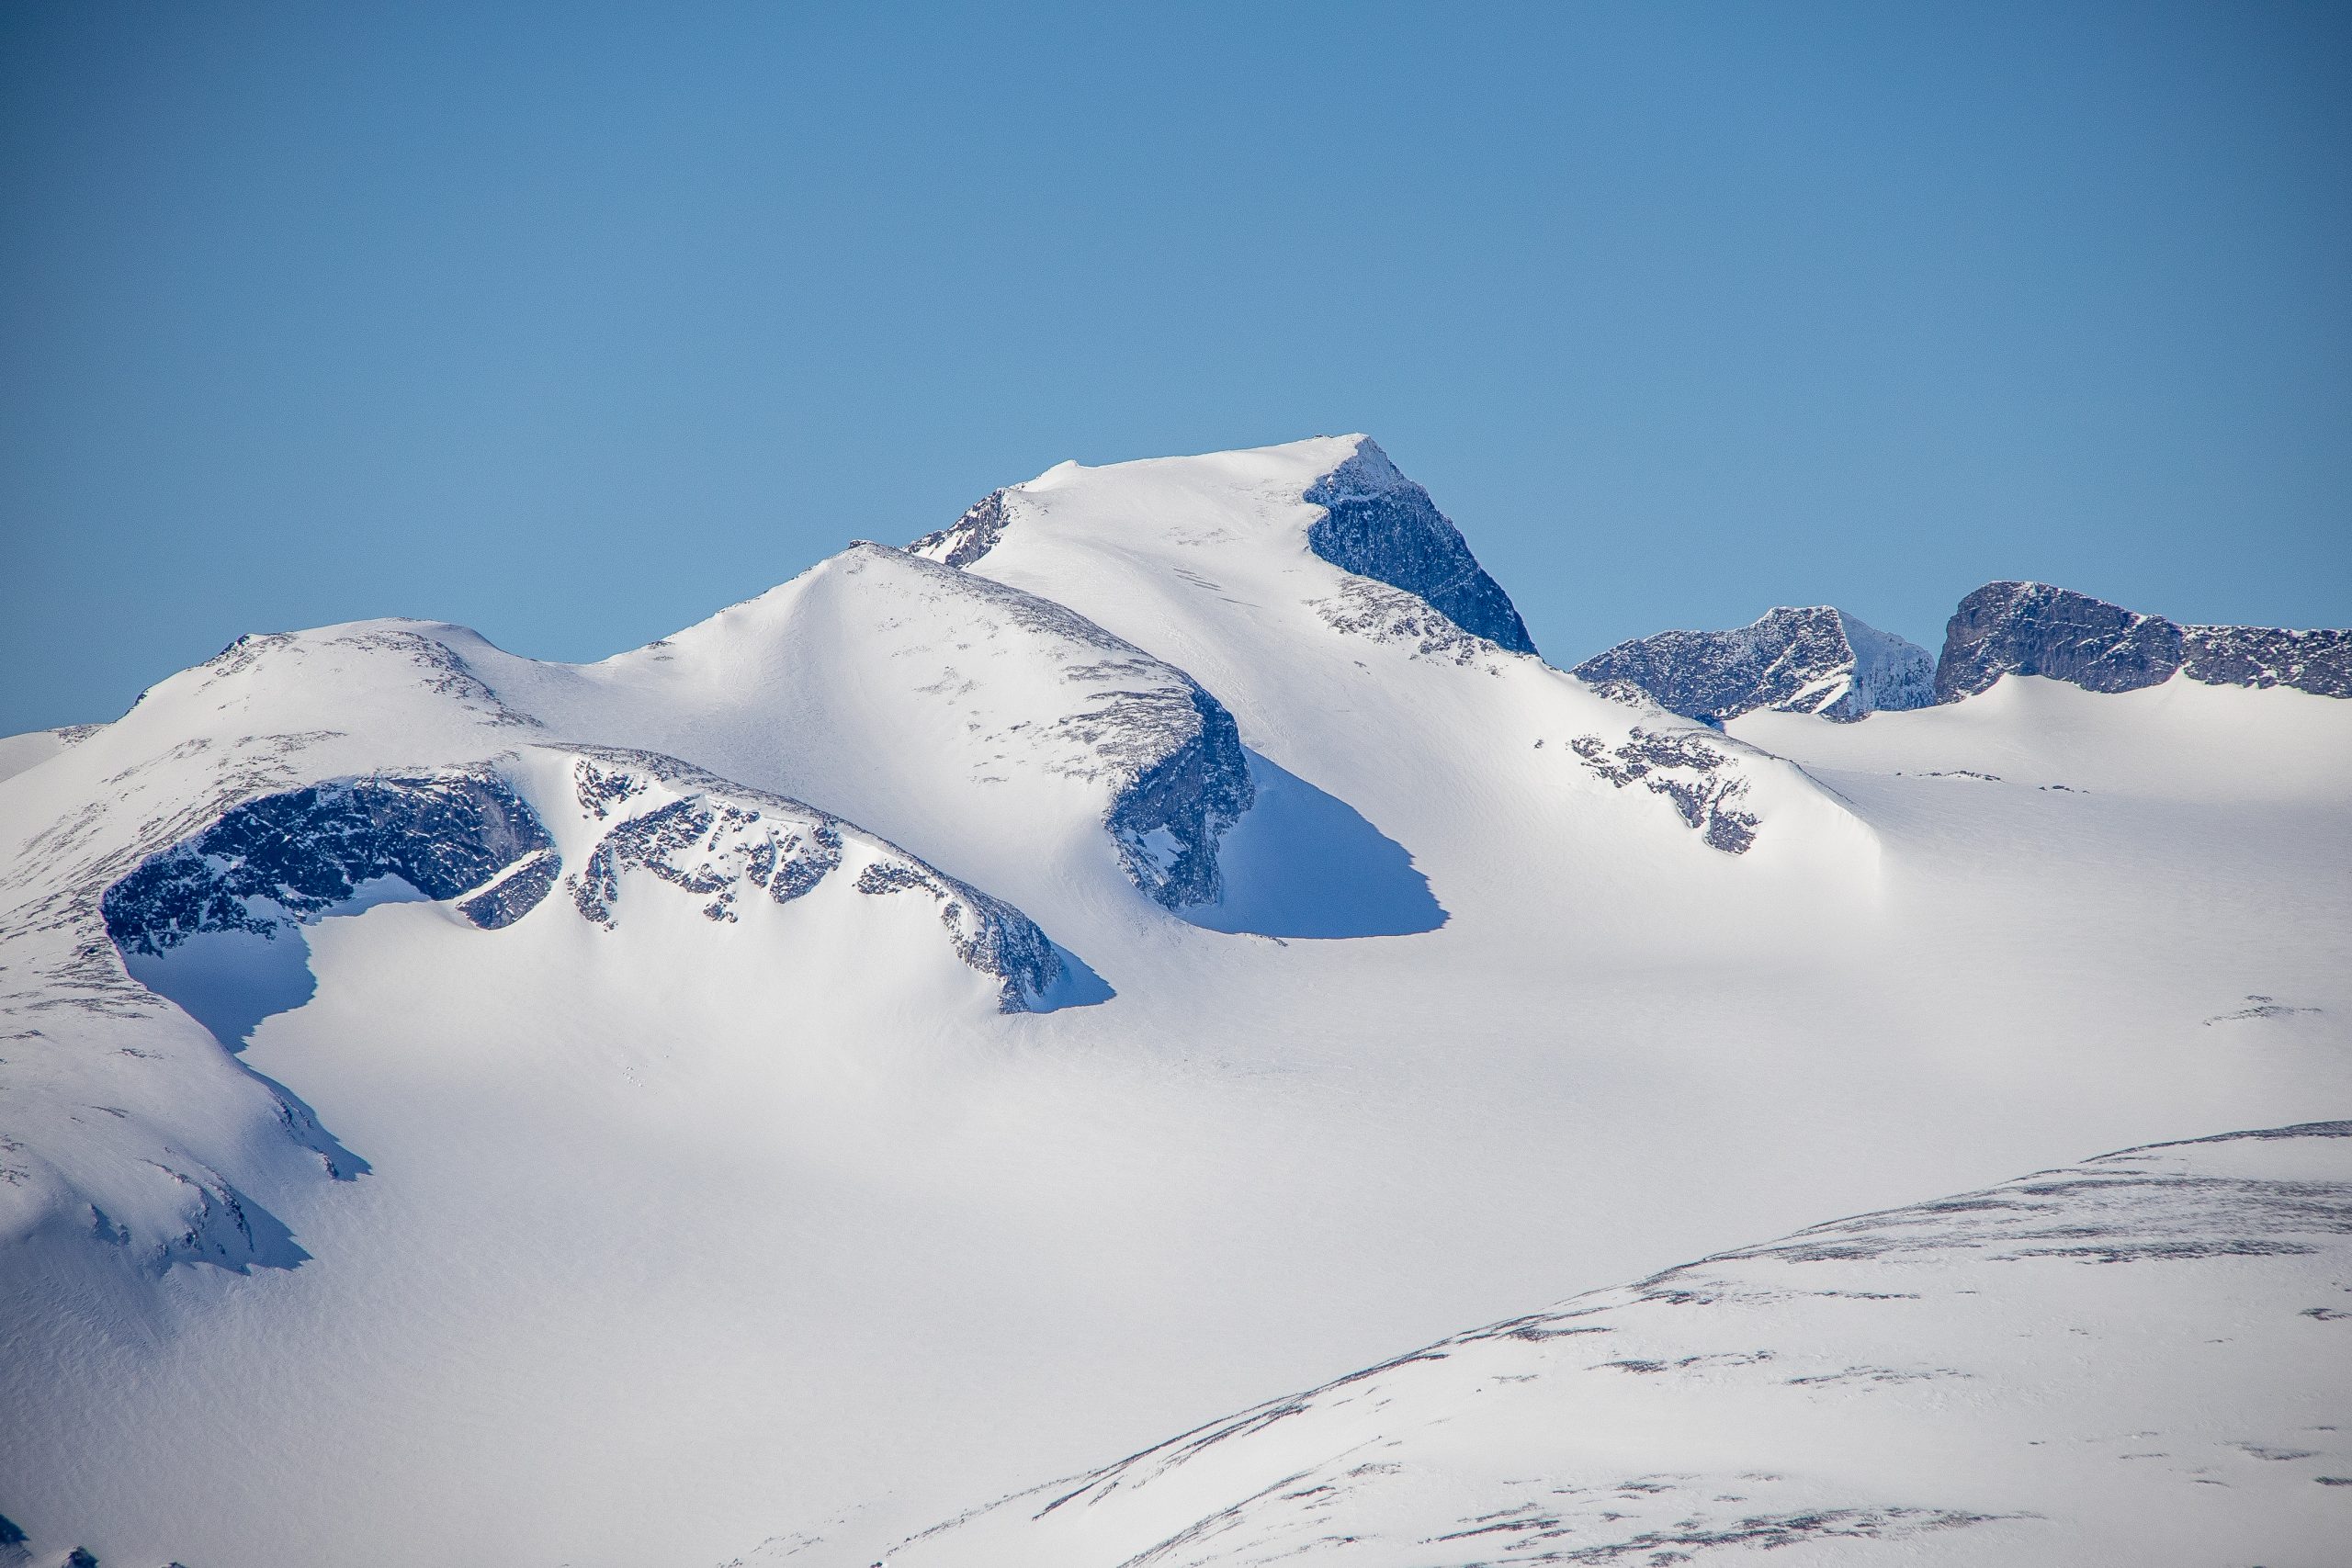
(1380, 524)
(2033, 628)
(970, 537)
(1814, 659)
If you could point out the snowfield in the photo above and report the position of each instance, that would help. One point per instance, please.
(2122, 1361)
(974, 1011)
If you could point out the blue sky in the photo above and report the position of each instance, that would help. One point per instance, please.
(574, 323)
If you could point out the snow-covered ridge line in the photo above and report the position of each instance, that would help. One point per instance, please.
(1170, 749)
(1376, 523)
(1814, 659)
(1573, 1434)
(468, 836)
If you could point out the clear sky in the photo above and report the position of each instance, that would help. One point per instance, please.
(574, 323)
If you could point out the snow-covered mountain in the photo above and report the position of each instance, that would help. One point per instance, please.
(1819, 660)
(978, 1008)
(2109, 1363)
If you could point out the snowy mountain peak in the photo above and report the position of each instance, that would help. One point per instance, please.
(1368, 519)
(2033, 628)
(1379, 524)
(1815, 660)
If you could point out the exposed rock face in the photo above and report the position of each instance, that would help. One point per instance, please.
(730, 846)
(1380, 524)
(291, 857)
(1169, 818)
(1816, 660)
(970, 537)
(1692, 775)
(2032, 628)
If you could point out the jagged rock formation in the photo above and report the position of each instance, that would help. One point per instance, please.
(1380, 524)
(1816, 660)
(2032, 628)
(2111, 1355)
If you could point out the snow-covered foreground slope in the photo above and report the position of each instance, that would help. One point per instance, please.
(2136, 1361)
(605, 1190)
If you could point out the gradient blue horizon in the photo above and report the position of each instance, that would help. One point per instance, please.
(575, 323)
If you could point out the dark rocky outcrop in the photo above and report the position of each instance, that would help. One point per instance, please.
(2032, 628)
(294, 856)
(1167, 821)
(970, 537)
(719, 842)
(1815, 660)
(1380, 524)
(1695, 777)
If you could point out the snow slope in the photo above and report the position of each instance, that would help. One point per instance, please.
(2136, 1361)
(1397, 979)
(18, 753)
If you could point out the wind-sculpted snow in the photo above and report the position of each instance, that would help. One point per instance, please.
(1379, 524)
(1817, 659)
(2135, 1359)
(1012, 694)
(2032, 628)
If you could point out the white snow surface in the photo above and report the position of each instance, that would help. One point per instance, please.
(34, 746)
(2125, 1362)
(696, 1239)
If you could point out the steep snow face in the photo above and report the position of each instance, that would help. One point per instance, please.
(1817, 661)
(998, 732)
(2138, 1359)
(2032, 628)
(1326, 601)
